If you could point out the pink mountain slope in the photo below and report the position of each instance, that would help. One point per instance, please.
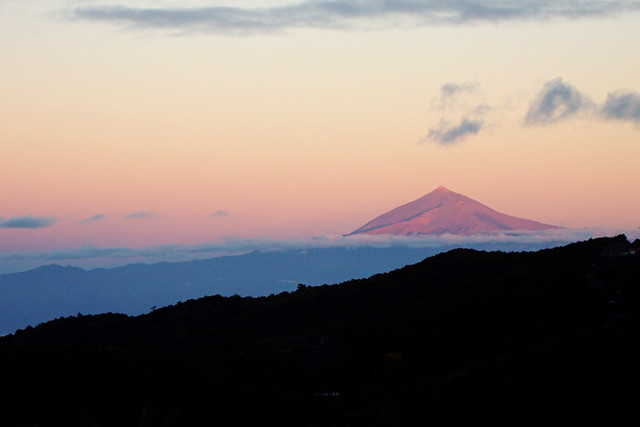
(443, 211)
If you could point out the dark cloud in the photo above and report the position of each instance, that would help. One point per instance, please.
(141, 215)
(94, 218)
(445, 134)
(30, 222)
(556, 101)
(622, 105)
(220, 213)
(349, 14)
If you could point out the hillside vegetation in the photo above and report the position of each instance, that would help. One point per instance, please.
(491, 336)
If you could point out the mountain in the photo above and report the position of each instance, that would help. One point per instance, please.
(443, 211)
(490, 337)
(45, 293)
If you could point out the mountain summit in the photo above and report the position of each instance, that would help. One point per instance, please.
(443, 211)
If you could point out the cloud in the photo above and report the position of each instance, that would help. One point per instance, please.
(220, 213)
(556, 101)
(348, 14)
(559, 101)
(231, 246)
(447, 135)
(622, 105)
(448, 90)
(29, 222)
(141, 215)
(457, 101)
(94, 218)
(453, 96)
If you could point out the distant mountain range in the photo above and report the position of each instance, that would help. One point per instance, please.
(443, 211)
(51, 291)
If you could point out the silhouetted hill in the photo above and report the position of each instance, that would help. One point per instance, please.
(45, 293)
(482, 336)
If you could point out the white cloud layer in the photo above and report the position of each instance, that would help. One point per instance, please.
(230, 246)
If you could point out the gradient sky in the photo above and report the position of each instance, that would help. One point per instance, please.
(156, 122)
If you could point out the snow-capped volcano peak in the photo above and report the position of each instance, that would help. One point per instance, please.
(443, 211)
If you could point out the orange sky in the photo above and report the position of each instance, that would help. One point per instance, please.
(306, 130)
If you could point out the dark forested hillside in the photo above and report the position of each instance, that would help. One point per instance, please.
(462, 335)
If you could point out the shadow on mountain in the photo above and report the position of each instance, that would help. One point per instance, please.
(464, 335)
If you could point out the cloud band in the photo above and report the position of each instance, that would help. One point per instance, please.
(349, 14)
(28, 222)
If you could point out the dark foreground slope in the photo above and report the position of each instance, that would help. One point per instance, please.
(462, 335)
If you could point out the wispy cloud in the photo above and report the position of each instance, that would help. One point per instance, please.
(94, 218)
(141, 215)
(449, 89)
(218, 214)
(450, 93)
(348, 14)
(29, 222)
(446, 134)
(457, 102)
(622, 105)
(556, 101)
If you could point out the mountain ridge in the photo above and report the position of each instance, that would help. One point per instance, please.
(464, 335)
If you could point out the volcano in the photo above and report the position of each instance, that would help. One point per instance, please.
(443, 211)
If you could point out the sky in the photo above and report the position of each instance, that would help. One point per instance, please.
(166, 123)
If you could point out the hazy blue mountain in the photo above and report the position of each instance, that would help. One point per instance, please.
(52, 291)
